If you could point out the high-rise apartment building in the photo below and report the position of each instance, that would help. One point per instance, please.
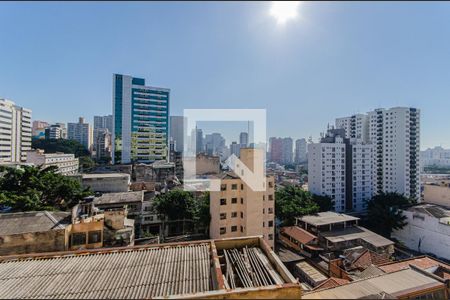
(214, 143)
(80, 132)
(436, 156)
(141, 121)
(395, 136)
(38, 129)
(341, 168)
(235, 148)
(237, 210)
(56, 131)
(281, 150)
(15, 132)
(100, 123)
(199, 147)
(300, 151)
(243, 139)
(103, 144)
(177, 127)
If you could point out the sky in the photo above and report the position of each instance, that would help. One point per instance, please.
(335, 59)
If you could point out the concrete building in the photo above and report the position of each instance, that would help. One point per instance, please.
(106, 183)
(210, 269)
(102, 123)
(56, 131)
(199, 143)
(80, 132)
(38, 129)
(15, 132)
(237, 210)
(235, 148)
(301, 149)
(102, 144)
(395, 136)
(341, 168)
(67, 163)
(214, 143)
(177, 128)
(427, 231)
(281, 150)
(141, 121)
(436, 156)
(243, 139)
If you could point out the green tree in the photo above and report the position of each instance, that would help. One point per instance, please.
(325, 203)
(384, 212)
(292, 202)
(86, 163)
(60, 145)
(34, 188)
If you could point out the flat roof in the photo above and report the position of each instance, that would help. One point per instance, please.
(392, 285)
(311, 271)
(421, 262)
(124, 197)
(33, 221)
(326, 218)
(356, 232)
(105, 175)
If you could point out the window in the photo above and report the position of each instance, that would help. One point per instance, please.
(242, 229)
(242, 215)
(78, 238)
(270, 210)
(94, 237)
(234, 186)
(270, 184)
(150, 218)
(233, 200)
(234, 214)
(223, 216)
(270, 223)
(223, 201)
(233, 228)
(270, 197)
(270, 237)
(242, 186)
(242, 200)
(223, 230)
(223, 187)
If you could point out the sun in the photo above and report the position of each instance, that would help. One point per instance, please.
(284, 11)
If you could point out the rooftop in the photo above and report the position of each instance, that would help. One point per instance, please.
(357, 232)
(311, 271)
(326, 218)
(125, 197)
(299, 234)
(104, 175)
(34, 221)
(421, 262)
(432, 210)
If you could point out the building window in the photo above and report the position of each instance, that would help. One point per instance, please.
(234, 186)
(94, 237)
(234, 214)
(242, 200)
(270, 197)
(223, 216)
(242, 186)
(270, 223)
(270, 210)
(223, 201)
(242, 229)
(223, 187)
(78, 238)
(270, 237)
(270, 184)
(223, 230)
(242, 215)
(233, 200)
(233, 228)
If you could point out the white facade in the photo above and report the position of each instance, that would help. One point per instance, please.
(426, 232)
(362, 175)
(15, 132)
(437, 156)
(395, 136)
(67, 163)
(81, 132)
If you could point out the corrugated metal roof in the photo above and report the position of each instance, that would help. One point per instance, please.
(356, 232)
(325, 218)
(132, 274)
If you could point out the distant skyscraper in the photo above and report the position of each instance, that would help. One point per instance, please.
(141, 120)
(214, 143)
(177, 127)
(281, 150)
(15, 132)
(199, 140)
(103, 122)
(235, 148)
(80, 132)
(287, 154)
(300, 151)
(103, 144)
(395, 134)
(38, 130)
(243, 139)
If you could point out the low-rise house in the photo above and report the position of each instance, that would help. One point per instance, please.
(301, 240)
(66, 163)
(210, 269)
(427, 231)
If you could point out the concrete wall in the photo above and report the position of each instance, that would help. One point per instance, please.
(434, 236)
(34, 242)
(437, 194)
(107, 184)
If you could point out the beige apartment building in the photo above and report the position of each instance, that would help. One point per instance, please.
(238, 211)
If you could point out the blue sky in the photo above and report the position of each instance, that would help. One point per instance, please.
(334, 60)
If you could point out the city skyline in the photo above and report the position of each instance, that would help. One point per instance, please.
(294, 70)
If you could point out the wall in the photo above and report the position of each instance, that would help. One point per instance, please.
(34, 242)
(113, 184)
(435, 194)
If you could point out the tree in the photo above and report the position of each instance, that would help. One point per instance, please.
(86, 163)
(292, 202)
(325, 203)
(61, 145)
(384, 212)
(34, 188)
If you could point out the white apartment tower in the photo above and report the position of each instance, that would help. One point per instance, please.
(395, 136)
(80, 132)
(341, 168)
(15, 132)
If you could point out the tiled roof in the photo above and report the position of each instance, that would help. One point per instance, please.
(422, 262)
(331, 282)
(299, 234)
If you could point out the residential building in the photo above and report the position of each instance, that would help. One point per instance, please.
(287, 153)
(80, 132)
(66, 163)
(56, 131)
(341, 168)
(199, 143)
(236, 210)
(301, 149)
(101, 122)
(281, 150)
(15, 132)
(243, 139)
(427, 230)
(197, 269)
(235, 148)
(38, 129)
(141, 121)
(103, 144)
(395, 136)
(436, 156)
(177, 128)
(214, 143)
